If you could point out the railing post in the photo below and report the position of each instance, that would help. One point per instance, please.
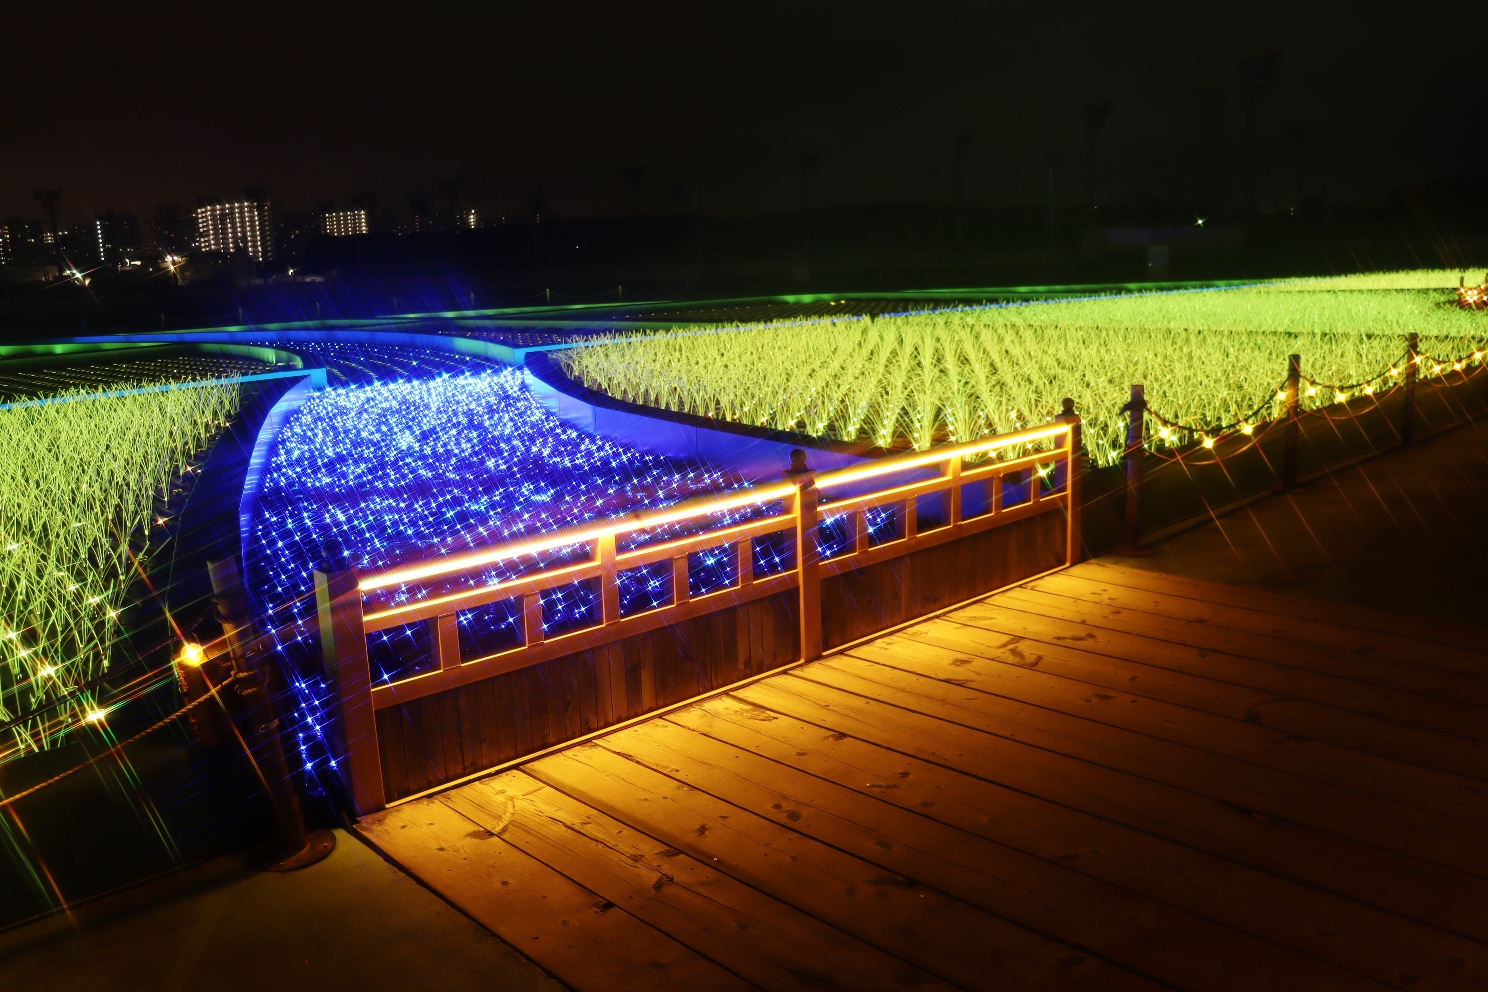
(1412, 364)
(807, 564)
(343, 642)
(1074, 470)
(1136, 427)
(256, 683)
(1293, 424)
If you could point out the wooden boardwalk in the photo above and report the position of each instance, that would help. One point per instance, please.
(1101, 779)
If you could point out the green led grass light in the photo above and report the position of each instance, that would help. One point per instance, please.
(78, 483)
(1206, 358)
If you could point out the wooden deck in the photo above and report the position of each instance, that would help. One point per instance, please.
(1102, 779)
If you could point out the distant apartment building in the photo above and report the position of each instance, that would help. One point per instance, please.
(22, 242)
(172, 233)
(25, 252)
(116, 238)
(343, 223)
(242, 227)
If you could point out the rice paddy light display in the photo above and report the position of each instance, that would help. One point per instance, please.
(79, 479)
(438, 466)
(402, 470)
(1210, 360)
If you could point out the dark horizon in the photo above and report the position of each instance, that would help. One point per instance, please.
(128, 111)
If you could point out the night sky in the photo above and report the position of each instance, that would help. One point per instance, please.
(130, 106)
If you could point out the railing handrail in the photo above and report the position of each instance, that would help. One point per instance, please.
(697, 507)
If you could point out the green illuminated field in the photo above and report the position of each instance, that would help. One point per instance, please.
(78, 481)
(1206, 358)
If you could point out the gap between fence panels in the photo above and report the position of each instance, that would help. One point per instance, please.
(722, 690)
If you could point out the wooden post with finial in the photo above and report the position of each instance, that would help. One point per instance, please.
(807, 555)
(1074, 551)
(1412, 365)
(1293, 424)
(1136, 427)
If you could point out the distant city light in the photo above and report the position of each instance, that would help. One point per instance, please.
(242, 226)
(344, 223)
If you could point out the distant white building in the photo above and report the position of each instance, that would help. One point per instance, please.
(243, 227)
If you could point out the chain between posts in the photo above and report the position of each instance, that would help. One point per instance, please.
(1408, 372)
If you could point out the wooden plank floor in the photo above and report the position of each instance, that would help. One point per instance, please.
(1102, 779)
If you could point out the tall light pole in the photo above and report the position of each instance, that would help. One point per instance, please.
(1096, 115)
(1211, 108)
(1257, 76)
(49, 198)
(964, 145)
(808, 162)
(634, 175)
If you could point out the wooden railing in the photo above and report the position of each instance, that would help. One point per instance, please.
(892, 490)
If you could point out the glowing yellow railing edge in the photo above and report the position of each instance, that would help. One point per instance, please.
(698, 507)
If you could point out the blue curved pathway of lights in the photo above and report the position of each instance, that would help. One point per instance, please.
(404, 469)
(418, 466)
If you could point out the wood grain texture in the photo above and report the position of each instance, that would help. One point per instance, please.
(876, 597)
(582, 938)
(460, 731)
(1097, 780)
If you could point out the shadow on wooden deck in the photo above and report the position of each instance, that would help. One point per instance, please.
(1101, 779)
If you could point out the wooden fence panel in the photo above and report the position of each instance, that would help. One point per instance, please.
(441, 738)
(876, 597)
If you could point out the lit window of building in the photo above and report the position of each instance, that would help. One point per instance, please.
(343, 223)
(242, 227)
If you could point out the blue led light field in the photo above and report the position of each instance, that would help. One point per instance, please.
(401, 470)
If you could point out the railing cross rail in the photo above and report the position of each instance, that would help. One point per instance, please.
(807, 499)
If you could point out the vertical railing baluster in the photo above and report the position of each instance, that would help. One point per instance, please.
(744, 561)
(609, 583)
(954, 473)
(532, 619)
(447, 640)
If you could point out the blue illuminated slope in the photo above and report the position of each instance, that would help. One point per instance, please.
(402, 470)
